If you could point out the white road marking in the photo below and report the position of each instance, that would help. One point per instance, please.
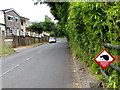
(27, 58)
(9, 70)
(14, 67)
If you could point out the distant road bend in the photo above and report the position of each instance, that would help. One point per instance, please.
(45, 66)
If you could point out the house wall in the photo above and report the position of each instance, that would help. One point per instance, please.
(2, 21)
(13, 24)
(2, 28)
(23, 27)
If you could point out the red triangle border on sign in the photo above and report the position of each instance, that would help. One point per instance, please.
(99, 55)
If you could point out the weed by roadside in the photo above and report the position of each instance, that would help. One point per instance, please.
(4, 50)
(32, 45)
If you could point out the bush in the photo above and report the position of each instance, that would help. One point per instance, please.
(88, 25)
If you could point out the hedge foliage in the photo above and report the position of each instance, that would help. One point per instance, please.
(89, 24)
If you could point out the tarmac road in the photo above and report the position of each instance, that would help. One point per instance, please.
(45, 66)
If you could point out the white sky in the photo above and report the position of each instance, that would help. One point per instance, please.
(26, 8)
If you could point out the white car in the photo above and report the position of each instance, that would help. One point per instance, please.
(52, 40)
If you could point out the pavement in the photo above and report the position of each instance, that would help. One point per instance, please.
(20, 49)
(45, 66)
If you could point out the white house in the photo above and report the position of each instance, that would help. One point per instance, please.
(12, 23)
(2, 22)
(23, 25)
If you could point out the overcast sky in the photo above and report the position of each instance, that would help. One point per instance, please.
(26, 8)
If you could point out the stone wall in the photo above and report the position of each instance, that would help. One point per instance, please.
(1, 40)
(15, 41)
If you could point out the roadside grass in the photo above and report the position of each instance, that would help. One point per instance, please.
(33, 45)
(4, 50)
(61, 37)
(36, 44)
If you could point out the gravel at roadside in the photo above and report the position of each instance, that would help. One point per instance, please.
(82, 75)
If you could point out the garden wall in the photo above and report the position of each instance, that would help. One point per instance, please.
(15, 41)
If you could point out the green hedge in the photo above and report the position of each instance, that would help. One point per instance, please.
(89, 24)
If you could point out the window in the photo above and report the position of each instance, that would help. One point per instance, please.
(22, 23)
(16, 19)
(11, 30)
(22, 30)
(10, 18)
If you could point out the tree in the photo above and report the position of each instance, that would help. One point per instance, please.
(36, 27)
(47, 19)
(47, 26)
(60, 12)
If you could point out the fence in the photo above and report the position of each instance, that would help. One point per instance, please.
(105, 73)
(115, 47)
(113, 66)
(15, 41)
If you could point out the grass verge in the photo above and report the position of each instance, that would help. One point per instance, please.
(4, 50)
(33, 45)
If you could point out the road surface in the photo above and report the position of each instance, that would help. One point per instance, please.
(45, 66)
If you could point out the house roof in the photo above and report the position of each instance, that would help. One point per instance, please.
(11, 9)
(7, 9)
(24, 18)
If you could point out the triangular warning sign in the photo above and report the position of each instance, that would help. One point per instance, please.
(104, 58)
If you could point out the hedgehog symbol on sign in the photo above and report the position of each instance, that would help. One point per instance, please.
(104, 59)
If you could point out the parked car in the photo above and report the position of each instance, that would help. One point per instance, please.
(52, 40)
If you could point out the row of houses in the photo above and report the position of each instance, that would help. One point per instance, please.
(12, 24)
